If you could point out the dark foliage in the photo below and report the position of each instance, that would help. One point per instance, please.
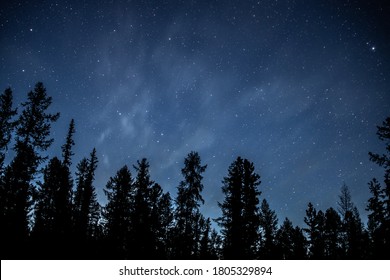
(240, 219)
(188, 219)
(47, 213)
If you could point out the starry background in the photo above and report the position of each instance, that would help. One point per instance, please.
(297, 87)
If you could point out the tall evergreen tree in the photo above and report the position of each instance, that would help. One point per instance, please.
(120, 194)
(383, 133)
(315, 230)
(161, 222)
(352, 233)
(268, 226)
(52, 223)
(7, 124)
(187, 212)
(240, 218)
(53, 208)
(332, 234)
(86, 209)
(209, 243)
(285, 240)
(290, 242)
(32, 137)
(67, 152)
(141, 234)
(376, 219)
(383, 160)
(300, 244)
(166, 223)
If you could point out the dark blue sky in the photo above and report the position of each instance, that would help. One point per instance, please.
(297, 87)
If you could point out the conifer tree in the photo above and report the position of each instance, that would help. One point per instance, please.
(376, 219)
(383, 160)
(141, 234)
(53, 208)
(86, 209)
(120, 192)
(7, 124)
(240, 218)
(268, 226)
(352, 228)
(209, 243)
(52, 222)
(332, 234)
(300, 244)
(32, 137)
(315, 230)
(161, 222)
(187, 212)
(165, 233)
(285, 240)
(67, 152)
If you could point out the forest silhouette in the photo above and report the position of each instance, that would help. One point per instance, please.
(49, 213)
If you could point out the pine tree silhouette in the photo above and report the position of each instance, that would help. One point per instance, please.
(141, 234)
(52, 223)
(352, 234)
(240, 219)
(187, 214)
(376, 220)
(120, 195)
(161, 222)
(86, 209)
(7, 124)
(32, 137)
(315, 231)
(332, 234)
(69, 143)
(268, 225)
(382, 233)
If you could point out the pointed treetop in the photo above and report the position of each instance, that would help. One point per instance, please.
(67, 152)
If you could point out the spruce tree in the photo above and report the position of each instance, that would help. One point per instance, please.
(376, 219)
(332, 234)
(119, 192)
(161, 222)
(383, 160)
(300, 244)
(52, 222)
(240, 218)
(268, 226)
(188, 201)
(32, 138)
(7, 124)
(209, 242)
(86, 209)
(285, 240)
(352, 233)
(315, 230)
(290, 242)
(67, 152)
(141, 234)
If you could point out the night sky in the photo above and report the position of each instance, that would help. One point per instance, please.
(297, 87)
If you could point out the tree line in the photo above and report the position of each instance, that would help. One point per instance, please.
(49, 213)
